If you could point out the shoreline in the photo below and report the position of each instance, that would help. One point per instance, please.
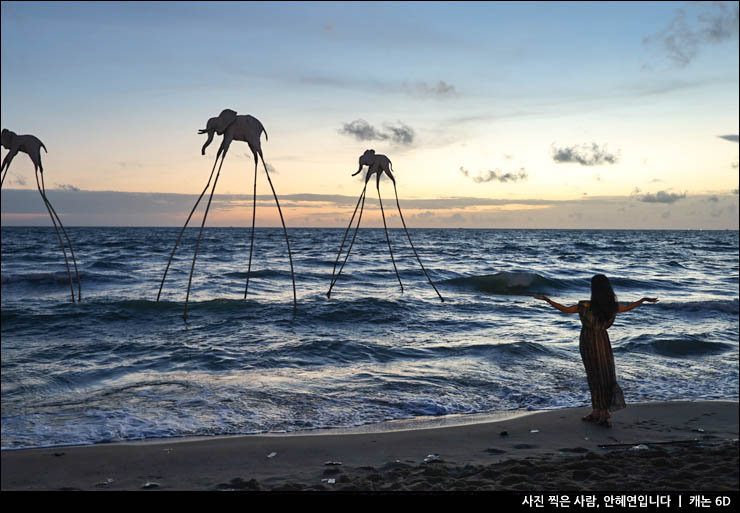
(693, 442)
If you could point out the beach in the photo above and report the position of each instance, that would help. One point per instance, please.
(662, 446)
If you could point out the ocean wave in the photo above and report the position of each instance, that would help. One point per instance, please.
(261, 273)
(677, 347)
(61, 277)
(508, 283)
(728, 306)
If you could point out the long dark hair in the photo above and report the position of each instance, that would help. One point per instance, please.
(603, 299)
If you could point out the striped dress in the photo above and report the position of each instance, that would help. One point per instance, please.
(596, 352)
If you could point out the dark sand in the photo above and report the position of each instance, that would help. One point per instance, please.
(686, 446)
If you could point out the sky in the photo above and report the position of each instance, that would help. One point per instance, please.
(494, 115)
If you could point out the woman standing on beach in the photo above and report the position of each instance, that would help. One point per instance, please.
(597, 316)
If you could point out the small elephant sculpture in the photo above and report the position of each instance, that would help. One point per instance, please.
(377, 164)
(232, 127)
(31, 146)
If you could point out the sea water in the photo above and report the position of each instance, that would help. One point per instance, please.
(121, 366)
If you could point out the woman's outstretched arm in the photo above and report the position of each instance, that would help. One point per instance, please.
(632, 306)
(565, 309)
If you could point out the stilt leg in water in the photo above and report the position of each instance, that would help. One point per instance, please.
(339, 254)
(359, 218)
(254, 212)
(387, 237)
(200, 234)
(59, 236)
(412, 244)
(290, 256)
(185, 226)
(69, 243)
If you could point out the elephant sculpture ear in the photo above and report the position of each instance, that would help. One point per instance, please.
(226, 118)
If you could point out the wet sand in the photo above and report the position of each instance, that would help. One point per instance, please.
(674, 446)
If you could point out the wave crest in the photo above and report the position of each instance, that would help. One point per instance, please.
(507, 283)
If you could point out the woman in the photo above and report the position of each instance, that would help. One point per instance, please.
(597, 316)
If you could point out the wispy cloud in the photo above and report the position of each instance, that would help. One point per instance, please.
(421, 89)
(17, 179)
(496, 176)
(130, 164)
(441, 90)
(731, 138)
(586, 155)
(686, 33)
(662, 197)
(361, 130)
(67, 187)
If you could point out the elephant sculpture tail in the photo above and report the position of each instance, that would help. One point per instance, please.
(44, 147)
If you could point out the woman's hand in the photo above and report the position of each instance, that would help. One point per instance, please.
(540, 296)
(650, 299)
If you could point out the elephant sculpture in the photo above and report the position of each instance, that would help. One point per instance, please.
(376, 164)
(31, 146)
(232, 127)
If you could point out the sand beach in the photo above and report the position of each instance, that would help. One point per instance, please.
(667, 446)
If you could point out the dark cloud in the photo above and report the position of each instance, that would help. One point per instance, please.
(496, 176)
(586, 155)
(364, 131)
(731, 138)
(401, 134)
(715, 23)
(662, 197)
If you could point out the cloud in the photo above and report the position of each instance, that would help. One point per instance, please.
(67, 187)
(441, 90)
(585, 155)
(401, 134)
(363, 131)
(662, 197)
(17, 179)
(685, 34)
(420, 89)
(108, 208)
(731, 138)
(496, 175)
(130, 164)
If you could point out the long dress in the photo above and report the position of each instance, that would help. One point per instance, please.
(598, 358)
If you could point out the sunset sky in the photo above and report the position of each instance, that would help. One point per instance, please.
(495, 115)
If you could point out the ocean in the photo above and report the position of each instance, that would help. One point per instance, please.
(121, 366)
